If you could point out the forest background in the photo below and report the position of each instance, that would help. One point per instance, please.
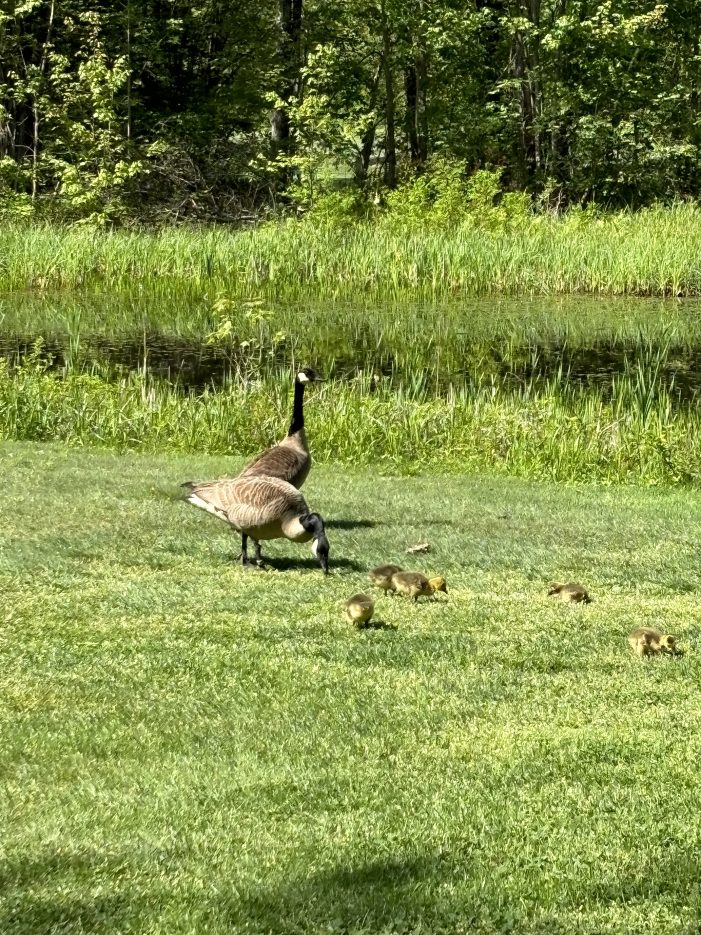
(150, 111)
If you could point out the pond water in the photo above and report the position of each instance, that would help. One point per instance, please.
(196, 341)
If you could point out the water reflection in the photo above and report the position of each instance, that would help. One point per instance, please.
(515, 342)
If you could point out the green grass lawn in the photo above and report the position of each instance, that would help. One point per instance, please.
(187, 747)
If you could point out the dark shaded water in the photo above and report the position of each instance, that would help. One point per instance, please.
(194, 365)
(587, 342)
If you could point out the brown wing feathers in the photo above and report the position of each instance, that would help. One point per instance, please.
(282, 460)
(248, 501)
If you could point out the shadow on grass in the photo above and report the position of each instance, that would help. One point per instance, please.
(283, 563)
(675, 877)
(351, 524)
(66, 901)
(377, 625)
(386, 895)
(34, 913)
(436, 894)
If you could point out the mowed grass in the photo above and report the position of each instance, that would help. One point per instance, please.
(187, 747)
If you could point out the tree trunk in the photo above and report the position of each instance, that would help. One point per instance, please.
(422, 105)
(362, 165)
(364, 155)
(129, 71)
(35, 105)
(390, 144)
(290, 54)
(415, 81)
(412, 132)
(524, 62)
(416, 117)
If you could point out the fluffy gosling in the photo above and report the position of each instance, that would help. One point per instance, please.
(381, 576)
(570, 593)
(359, 609)
(645, 641)
(416, 585)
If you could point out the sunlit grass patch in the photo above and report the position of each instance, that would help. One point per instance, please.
(188, 747)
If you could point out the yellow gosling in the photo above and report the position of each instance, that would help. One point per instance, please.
(570, 593)
(381, 576)
(359, 609)
(645, 641)
(416, 585)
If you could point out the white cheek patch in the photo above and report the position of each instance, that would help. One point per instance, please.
(302, 377)
(315, 545)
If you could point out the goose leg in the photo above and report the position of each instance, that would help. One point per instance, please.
(245, 561)
(258, 557)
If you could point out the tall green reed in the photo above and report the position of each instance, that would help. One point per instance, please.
(549, 429)
(650, 252)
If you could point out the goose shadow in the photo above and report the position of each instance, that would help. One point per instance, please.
(351, 524)
(399, 894)
(378, 625)
(283, 563)
(74, 910)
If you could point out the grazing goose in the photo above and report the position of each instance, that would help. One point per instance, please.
(289, 459)
(416, 585)
(381, 577)
(570, 593)
(648, 642)
(359, 609)
(262, 508)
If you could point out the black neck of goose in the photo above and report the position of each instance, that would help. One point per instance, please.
(298, 409)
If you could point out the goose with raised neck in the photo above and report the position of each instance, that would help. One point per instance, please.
(289, 460)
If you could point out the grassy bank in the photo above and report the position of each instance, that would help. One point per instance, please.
(549, 429)
(188, 748)
(651, 252)
(426, 347)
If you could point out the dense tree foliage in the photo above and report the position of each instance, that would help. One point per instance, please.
(114, 109)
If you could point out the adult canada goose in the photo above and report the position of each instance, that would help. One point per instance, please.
(416, 585)
(648, 642)
(359, 609)
(262, 508)
(290, 458)
(381, 577)
(570, 593)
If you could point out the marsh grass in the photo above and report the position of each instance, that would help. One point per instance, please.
(651, 252)
(633, 431)
(188, 748)
(410, 329)
(431, 345)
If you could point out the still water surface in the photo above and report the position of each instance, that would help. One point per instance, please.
(203, 340)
